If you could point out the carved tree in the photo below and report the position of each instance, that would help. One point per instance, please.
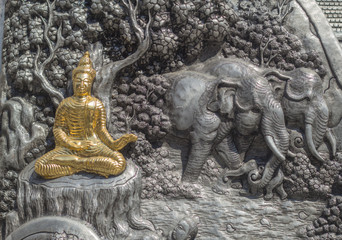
(262, 53)
(111, 205)
(284, 8)
(106, 73)
(38, 71)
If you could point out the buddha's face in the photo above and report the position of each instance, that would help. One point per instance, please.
(82, 84)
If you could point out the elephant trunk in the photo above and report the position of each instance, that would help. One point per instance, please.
(317, 117)
(208, 100)
(270, 168)
(225, 147)
(277, 138)
(273, 147)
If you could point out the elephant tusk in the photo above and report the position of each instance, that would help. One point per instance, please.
(271, 144)
(311, 145)
(291, 154)
(332, 140)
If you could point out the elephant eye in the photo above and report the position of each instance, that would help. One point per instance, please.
(255, 110)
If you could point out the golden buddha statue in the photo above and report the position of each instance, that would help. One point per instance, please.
(82, 140)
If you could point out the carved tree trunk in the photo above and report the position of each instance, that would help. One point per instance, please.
(111, 205)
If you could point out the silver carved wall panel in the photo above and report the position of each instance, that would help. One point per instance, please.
(236, 105)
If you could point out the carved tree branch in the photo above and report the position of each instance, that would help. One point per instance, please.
(129, 120)
(149, 93)
(133, 16)
(280, 6)
(284, 12)
(262, 52)
(287, 12)
(271, 58)
(106, 74)
(38, 71)
(111, 69)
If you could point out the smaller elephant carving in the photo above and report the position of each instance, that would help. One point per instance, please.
(305, 107)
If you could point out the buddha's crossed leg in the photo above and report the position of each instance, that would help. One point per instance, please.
(62, 162)
(47, 167)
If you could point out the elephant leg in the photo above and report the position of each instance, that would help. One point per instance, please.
(281, 191)
(276, 181)
(277, 139)
(243, 144)
(267, 175)
(199, 153)
(228, 153)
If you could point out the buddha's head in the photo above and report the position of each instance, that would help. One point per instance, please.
(83, 76)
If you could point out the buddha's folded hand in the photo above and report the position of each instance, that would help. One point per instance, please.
(123, 141)
(81, 145)
(130, 137)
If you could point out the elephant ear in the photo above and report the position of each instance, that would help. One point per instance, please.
(213, 103)
(296, 88)
(303, 84)
(213, 106)
(276, 80)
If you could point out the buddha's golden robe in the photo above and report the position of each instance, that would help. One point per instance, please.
(82, 141)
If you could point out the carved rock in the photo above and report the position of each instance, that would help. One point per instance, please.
(111, 205)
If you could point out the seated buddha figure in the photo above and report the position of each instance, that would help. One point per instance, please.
(82, 140)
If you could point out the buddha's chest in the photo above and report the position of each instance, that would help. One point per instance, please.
(81, 119)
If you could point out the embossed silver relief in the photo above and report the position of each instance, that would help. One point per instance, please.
(228, 99)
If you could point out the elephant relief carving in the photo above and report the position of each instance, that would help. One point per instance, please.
(224, 97)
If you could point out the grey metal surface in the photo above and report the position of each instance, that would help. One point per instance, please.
(234, 103)
(111, 204)
(45, 227)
